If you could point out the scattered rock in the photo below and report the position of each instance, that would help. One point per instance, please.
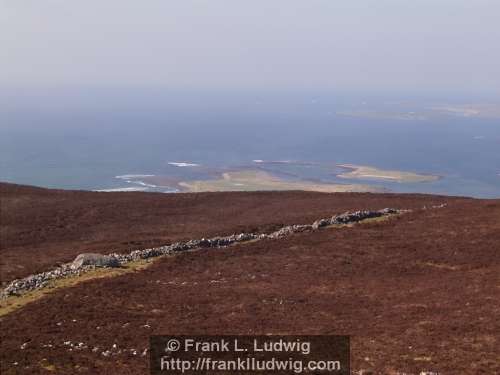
(97, 260)
(320, 223)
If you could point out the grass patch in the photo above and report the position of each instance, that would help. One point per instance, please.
(441, 266)
(47, 366)
(13, 303)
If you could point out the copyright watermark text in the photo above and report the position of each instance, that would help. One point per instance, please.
(249, 354)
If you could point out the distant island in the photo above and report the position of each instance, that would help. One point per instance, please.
(417, 112)
(484, 110)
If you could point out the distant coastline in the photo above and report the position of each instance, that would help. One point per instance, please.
(264, 176)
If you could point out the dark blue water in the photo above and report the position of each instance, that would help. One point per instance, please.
(83, 140)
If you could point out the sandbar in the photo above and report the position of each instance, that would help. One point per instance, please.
(256, 180)
(363, 172)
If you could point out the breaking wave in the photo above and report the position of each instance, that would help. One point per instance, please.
(183, 164)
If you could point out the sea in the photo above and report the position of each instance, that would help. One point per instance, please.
(108, 139)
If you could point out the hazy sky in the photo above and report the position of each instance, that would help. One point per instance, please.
(264, 44)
